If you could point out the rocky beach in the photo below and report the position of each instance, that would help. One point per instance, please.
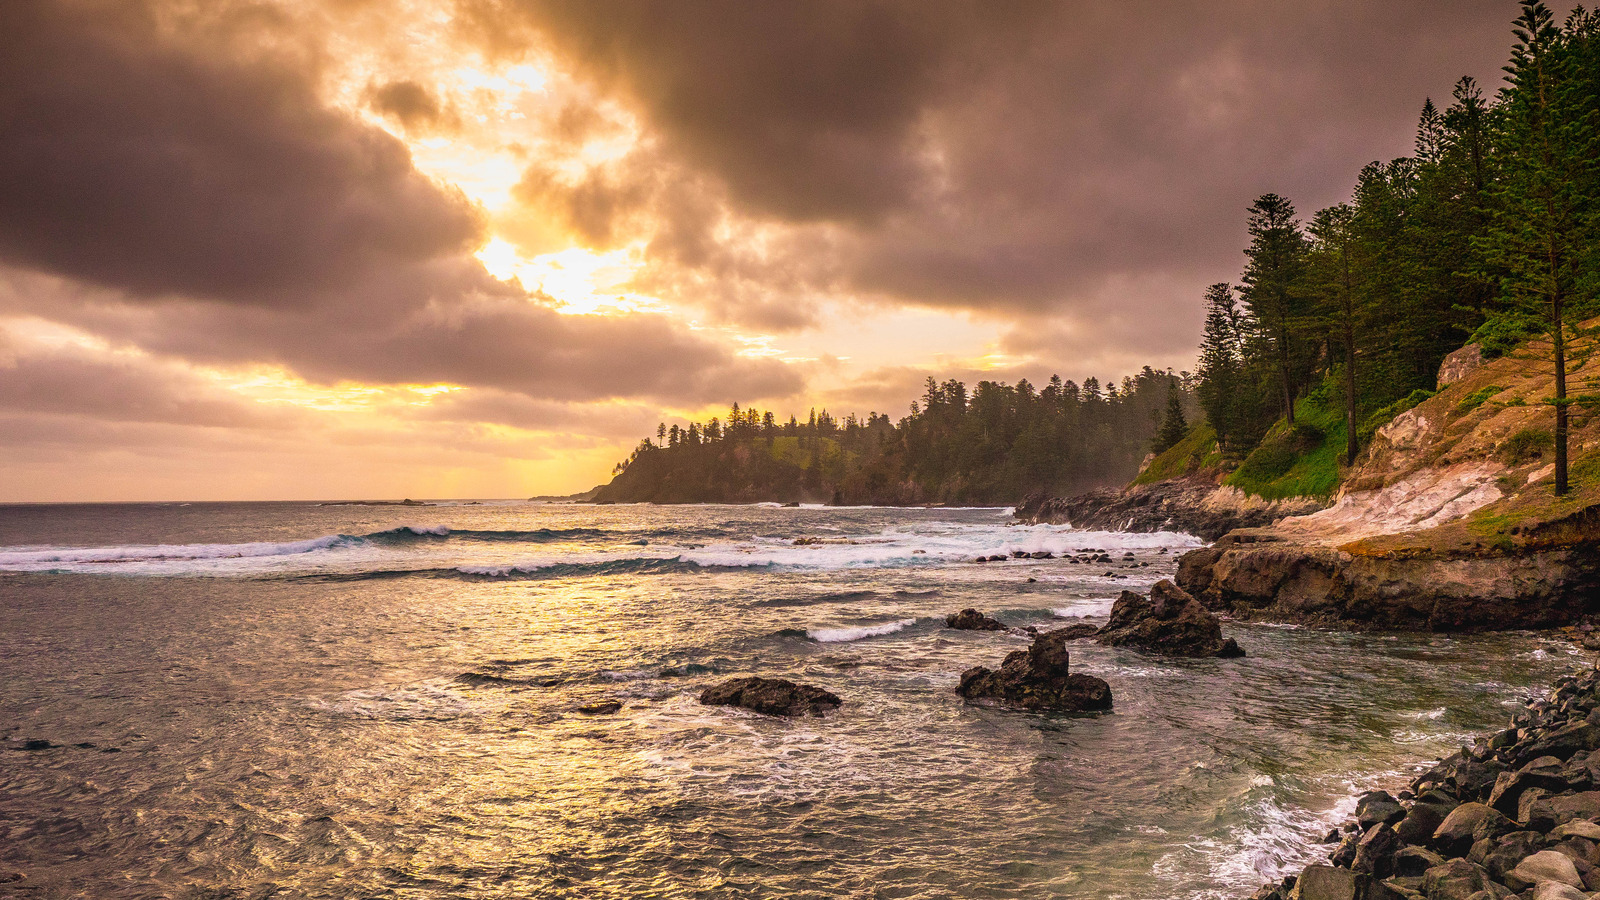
(1517, 814)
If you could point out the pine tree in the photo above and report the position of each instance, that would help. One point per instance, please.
(1272, 288)
(1220, 360)
(1174, 427)
(1334, 271)
(1543, 232)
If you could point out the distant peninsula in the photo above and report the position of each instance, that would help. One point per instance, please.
(990, 446)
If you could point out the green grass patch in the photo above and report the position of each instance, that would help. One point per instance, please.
(1526, 445)
(1183, 458)
(1476, 399)
(1302, 461)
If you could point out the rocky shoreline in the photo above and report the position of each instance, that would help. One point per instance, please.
(1515, 815)
(1197, 506)
(1265, 574)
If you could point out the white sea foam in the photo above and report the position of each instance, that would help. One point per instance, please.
(841, 635)
(920, 544)
(1088, 606)
(37, 559)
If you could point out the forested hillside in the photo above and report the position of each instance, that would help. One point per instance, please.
(993, 445)
(1487, 233)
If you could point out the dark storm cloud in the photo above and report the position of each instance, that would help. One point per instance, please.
(810, 110)
(210, 207)
(1006, 158)
(444, 323)
(128, 162)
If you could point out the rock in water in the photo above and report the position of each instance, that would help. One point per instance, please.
(771, 696)
(970, 619)
(1037, 678)
(1170, 622)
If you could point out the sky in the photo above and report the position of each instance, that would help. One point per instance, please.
(337, 249)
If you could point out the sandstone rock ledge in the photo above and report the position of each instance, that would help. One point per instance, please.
(1517, 815)
(1262, 574)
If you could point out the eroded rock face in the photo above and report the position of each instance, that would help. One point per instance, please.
(772, 696)
(1460, 364)
(1264, 575)
(1037, 678)
(1170, 622)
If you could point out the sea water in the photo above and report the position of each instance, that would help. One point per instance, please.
(295, 700)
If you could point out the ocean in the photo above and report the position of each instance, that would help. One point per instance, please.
(303, 700)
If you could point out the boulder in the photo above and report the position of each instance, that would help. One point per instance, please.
(1563, 743)
(1414, 861)
(1455, 880)
(1555, 890)
(1037, 678)
(1509, 787)
(1319, 882)
(1455, 834)
(1423, 820)
(771, 696)
(1375, 853)
(1548, 812)
(970, 619)
(1377, 807)
(1459, 364)
(1510, 851)
(1075, 632)
(1170, 622)
(1546, 865)
(1578, 828)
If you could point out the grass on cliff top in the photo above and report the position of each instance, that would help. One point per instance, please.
(1197, 450)
(1302, 461)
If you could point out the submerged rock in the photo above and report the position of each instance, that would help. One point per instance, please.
(1169, 622)
(1037, 678)
(970, 619)
(603, 708)
(771, 696)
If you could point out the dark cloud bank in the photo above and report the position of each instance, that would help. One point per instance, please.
(1077, 170)
(217, 210)
(1024, 160)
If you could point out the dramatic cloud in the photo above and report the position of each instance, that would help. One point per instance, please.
(1020, 160)
(231, 217)
(134, 164)
(532, 228)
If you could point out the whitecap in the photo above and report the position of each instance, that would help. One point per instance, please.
(840, 635)
(35, 559)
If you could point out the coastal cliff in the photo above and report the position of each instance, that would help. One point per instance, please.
(1449, 521)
